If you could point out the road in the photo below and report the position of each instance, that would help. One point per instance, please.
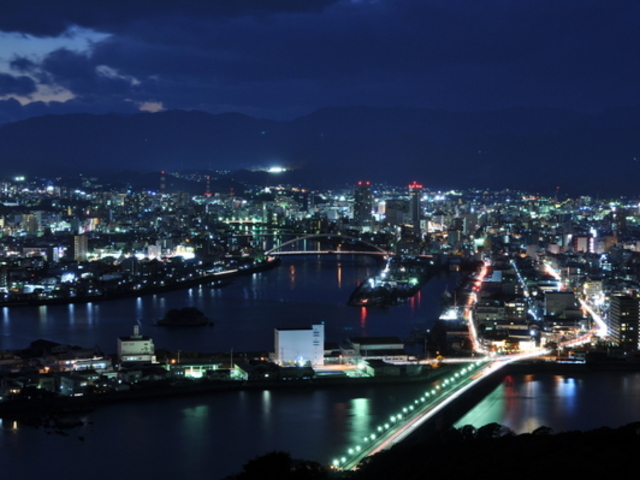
(439, 395)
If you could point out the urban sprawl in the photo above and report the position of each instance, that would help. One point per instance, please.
(544, 275)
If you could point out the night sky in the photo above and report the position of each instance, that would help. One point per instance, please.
(280, 59)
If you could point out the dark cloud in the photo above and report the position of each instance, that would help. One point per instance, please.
(23, 64)
(16, 85)
(284, 58)
(46, 18)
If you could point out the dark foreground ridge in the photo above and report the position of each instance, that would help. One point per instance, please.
(492, 451)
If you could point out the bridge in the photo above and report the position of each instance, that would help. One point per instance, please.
(443, 392)
(374, 249)
(437, 396)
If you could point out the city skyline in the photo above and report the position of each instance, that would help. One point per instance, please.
(353, 193)
(467, 273)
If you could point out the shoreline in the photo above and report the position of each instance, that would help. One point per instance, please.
(214, 277)
(163, 390)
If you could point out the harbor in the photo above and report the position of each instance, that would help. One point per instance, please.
(399, 279)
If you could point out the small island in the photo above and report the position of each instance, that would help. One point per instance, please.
(185, 317)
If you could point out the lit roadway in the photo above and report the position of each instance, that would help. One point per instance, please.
(440, 394)
(601, 328)
(445, 391)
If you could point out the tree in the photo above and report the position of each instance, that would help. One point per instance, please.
(493, 430)
(468, 432)
(279, 465)
(273, 465)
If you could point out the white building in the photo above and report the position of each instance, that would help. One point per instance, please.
(299, 345)
(136, 348)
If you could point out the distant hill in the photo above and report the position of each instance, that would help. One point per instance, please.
(533, 149)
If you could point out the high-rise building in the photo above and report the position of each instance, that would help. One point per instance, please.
(415, 195)
(362, 205)
(163, 183)
(80, 248)
(624, 320)
(396, 212)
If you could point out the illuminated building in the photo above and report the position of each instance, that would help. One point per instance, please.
(415, 194)
(80, 248)
(624, 318)
(163, 183)
(30, 224)
(136, 348)
(583, 244)
(389, 349)
(363, 203)
(396, 212)
(299, 346)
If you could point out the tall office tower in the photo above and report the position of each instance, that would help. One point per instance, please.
(624, 320)
(362, 205)
(415, 193)
(80, 248)
(619, 220)
(163, 183)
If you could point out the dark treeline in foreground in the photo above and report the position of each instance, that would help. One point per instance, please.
(492, 451)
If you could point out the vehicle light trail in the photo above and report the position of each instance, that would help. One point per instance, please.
(603, 330)
(413, 417)
(441, 395)
(468, 310)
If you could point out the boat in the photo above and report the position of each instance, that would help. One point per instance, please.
(184, 317)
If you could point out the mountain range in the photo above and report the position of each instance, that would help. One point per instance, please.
(520, 148)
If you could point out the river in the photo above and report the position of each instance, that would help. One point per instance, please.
(580, 401)
(299, 293)
(211, 436)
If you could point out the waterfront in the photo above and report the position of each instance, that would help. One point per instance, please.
(202, 437)
(299, 293)
(210, 436)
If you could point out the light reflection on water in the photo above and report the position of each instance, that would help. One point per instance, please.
(360, 421)
(300, 292)
(196, 436)
(580, 401)
(212, 436)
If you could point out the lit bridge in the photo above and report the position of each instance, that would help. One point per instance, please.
(437, 396)
(440, 393)
(346, 246)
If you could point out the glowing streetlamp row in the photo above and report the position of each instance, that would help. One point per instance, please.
(355, 451)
